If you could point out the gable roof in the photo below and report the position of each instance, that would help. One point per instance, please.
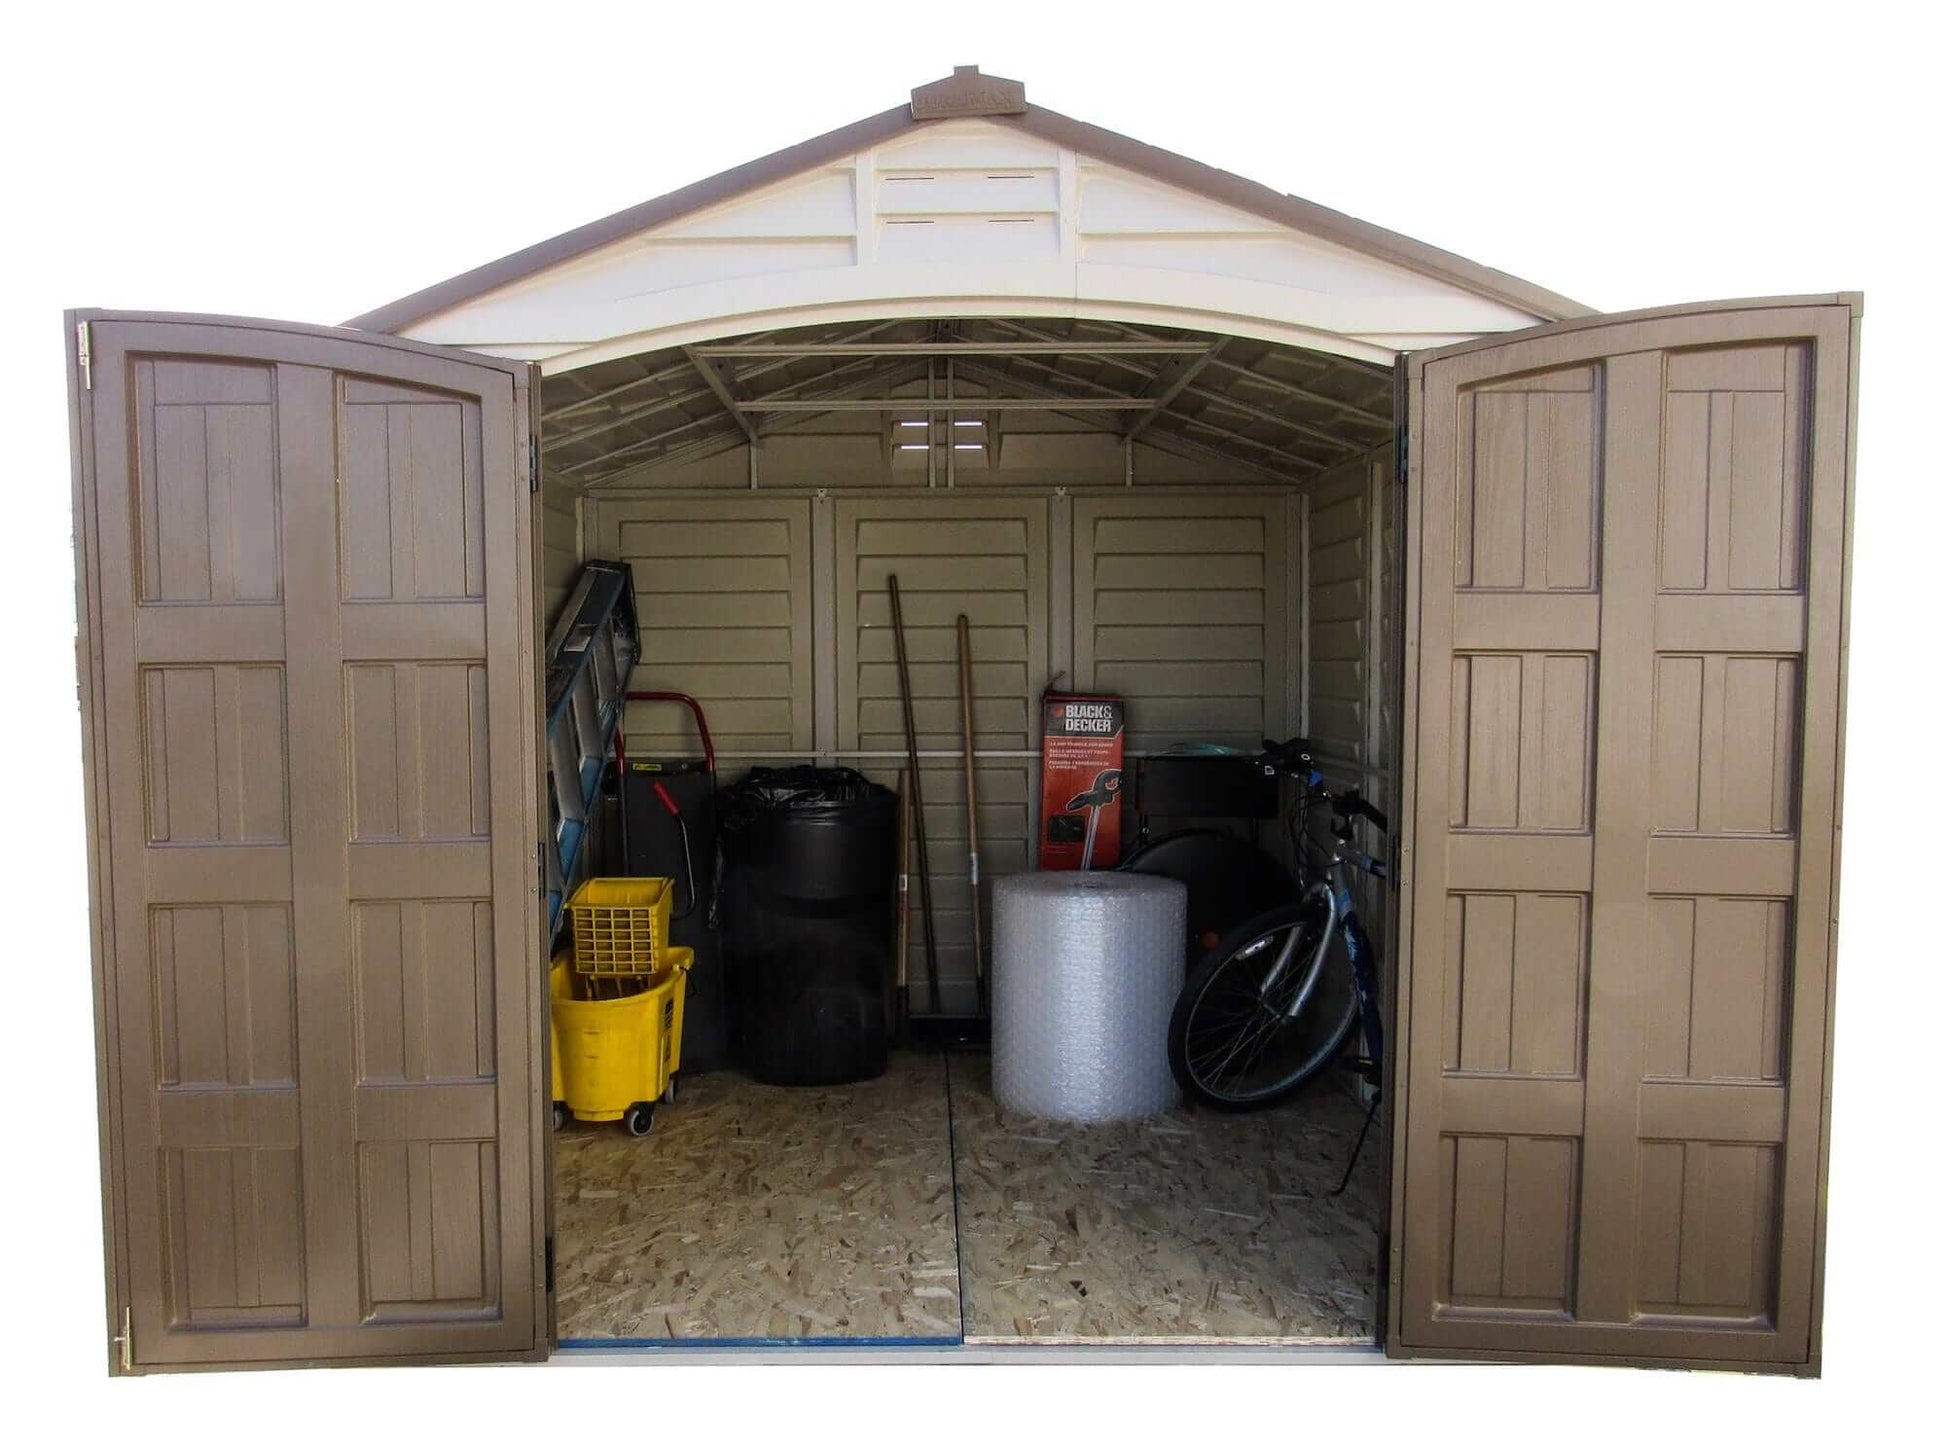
(1002, 103)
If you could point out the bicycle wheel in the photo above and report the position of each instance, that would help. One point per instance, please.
(1230, 1044)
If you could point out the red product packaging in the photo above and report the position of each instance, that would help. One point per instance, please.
(1081, 781)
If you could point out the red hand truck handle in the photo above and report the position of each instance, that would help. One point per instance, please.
(696, 710)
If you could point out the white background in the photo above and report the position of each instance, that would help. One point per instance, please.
(312, 161)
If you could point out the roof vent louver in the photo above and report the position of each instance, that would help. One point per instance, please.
(966, 92)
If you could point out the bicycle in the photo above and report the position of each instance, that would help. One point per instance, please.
(1276, 998)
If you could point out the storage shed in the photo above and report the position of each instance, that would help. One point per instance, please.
(1566, 592)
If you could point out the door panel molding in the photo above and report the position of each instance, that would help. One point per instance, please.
(1661, 1202)
(219, 637)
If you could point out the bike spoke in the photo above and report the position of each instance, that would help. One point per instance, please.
(1261, 1029)
(1240, 1043)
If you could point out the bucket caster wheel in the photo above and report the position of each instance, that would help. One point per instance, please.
(639, 1119)
(669, 1091)
(560, 1116)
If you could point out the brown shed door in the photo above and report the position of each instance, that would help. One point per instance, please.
(1625, 645)
(307, 611)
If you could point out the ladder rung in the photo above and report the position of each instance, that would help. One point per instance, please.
(591, 654)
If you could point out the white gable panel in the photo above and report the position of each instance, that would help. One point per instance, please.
(960, 193)
(820, 203)
(1357, 326)
(1115, 201)
(969, 218)
(662, 267)
(973, 145)
(1281, 260)
(970, 241)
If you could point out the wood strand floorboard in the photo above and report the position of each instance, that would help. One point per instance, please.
(755, 1212)
(1190, 1227)
(758, 1211)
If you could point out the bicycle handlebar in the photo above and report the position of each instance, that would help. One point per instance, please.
(1350, 805)
(1295, 757)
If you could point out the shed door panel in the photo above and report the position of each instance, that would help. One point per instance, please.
(1627, 586)
(308, 598)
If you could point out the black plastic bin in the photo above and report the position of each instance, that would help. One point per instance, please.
(809, 874)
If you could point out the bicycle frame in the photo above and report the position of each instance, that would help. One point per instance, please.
(1331, 887)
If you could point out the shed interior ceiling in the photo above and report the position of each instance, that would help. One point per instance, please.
(1278, 413)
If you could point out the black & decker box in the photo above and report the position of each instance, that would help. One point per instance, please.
(1081, 781)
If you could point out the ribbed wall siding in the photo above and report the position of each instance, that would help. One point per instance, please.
(773, 611)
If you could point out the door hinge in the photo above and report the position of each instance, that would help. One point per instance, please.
(534, 462)
(82, 356)
(125, 1342)
(550, 1265)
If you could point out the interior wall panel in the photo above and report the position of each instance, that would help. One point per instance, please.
(1183, 601)
(723, 590)
(986, 558)
(1350, 668)
(560, 526)
(1179, 606)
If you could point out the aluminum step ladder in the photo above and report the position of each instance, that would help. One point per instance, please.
(591, 654)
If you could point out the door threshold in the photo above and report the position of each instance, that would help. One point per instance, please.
(938, 1350)
(752, 1343)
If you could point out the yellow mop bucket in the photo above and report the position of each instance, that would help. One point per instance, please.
(560, 985)
(614, 1058)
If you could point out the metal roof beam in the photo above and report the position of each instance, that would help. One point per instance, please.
(1277, 384)
(667, 373)
(1239, 439)
(637, 444)
(595, 399)
(1323, 365)
(642, 443)
(663, 374)
(1168, 386)
(674, 401)
(1164, 440)
(1181, 446)
(1320, 361)
(707, 368)
(1319, 438)
(706, 447)
(1115, 359)
(1317, 435)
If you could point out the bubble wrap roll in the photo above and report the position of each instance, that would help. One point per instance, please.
(1086, 969)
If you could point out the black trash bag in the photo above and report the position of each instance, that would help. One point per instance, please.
(807, 879)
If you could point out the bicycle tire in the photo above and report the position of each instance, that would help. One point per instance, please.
(1326, 1022)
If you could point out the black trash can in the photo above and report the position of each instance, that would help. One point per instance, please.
(809, 876)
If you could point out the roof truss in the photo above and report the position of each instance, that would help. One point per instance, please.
(1275, 411)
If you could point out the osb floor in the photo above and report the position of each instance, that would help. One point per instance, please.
(754, 1212)
(1189, 1227)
